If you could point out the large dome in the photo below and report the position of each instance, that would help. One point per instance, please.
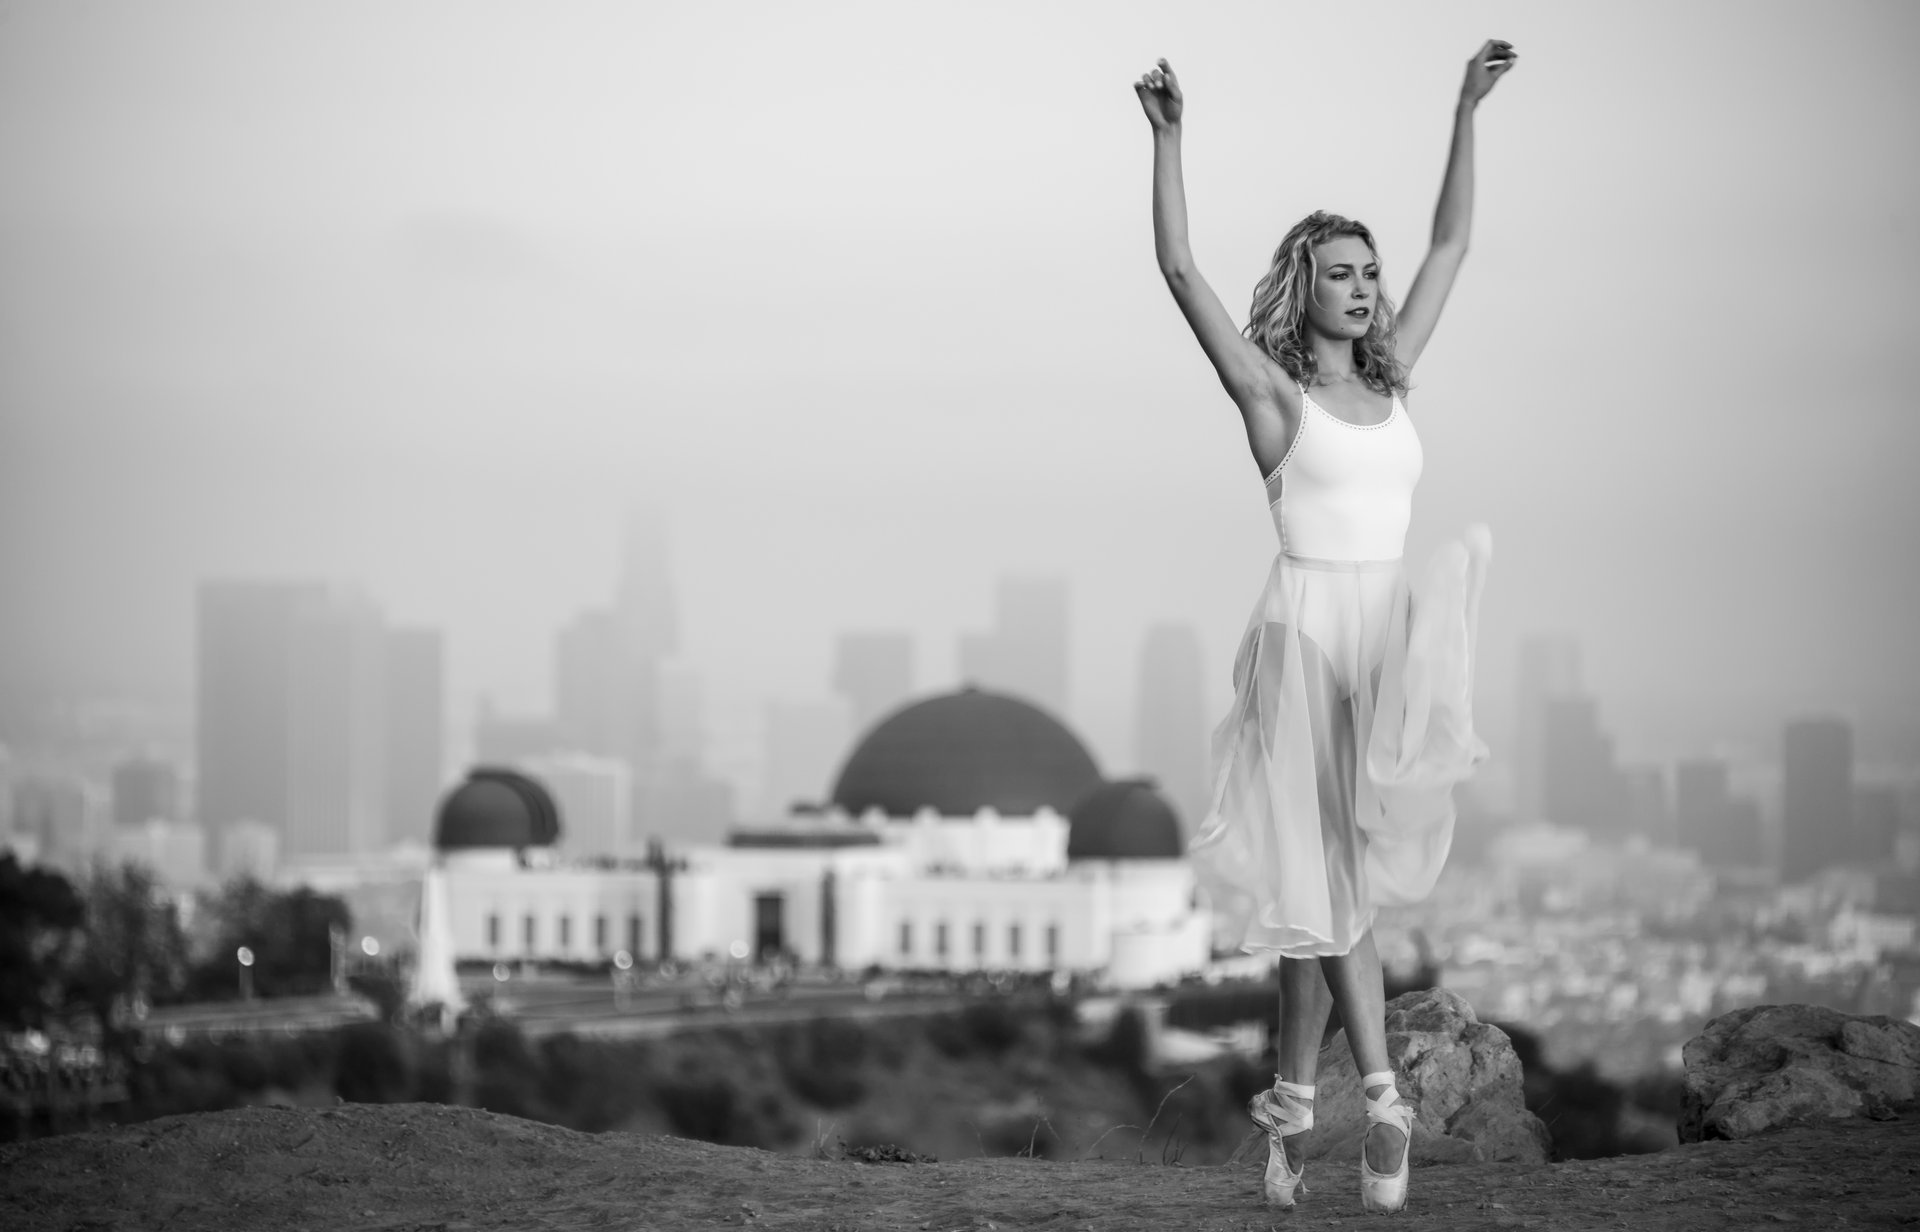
(961, 752)
(496, 808)
(1127, 819)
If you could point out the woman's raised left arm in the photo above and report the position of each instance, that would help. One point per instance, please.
(1452, 218)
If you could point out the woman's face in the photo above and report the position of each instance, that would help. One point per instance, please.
(1345, 288)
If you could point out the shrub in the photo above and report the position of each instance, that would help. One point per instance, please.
(374, 1065)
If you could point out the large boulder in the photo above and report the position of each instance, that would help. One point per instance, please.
(1461, 1076)
(1770, 1065)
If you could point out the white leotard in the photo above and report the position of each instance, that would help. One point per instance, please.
(1345, 491)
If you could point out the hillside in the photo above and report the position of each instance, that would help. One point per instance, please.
(429, 1166)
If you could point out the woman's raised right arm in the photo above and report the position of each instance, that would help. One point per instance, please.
(1243, 370)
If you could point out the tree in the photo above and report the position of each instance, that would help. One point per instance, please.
(41, 917)
(289, 933)
(133, 952)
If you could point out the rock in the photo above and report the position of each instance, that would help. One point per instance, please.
(1461, 1076)
(1769, 1065)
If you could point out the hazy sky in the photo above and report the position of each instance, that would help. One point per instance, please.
(423, 296)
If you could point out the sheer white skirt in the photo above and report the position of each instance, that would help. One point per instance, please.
(1333, 770)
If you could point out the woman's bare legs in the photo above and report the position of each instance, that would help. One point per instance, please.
(1305, 1002)
(1357, 987)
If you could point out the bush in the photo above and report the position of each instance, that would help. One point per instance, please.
(1125, 1046)
(374, 1066)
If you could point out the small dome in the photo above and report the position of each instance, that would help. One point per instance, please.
(496, 808)
(1125, 819)
(961, 752)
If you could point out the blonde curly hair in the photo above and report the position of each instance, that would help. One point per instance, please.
(1277, 322)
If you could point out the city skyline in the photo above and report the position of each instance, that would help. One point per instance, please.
(434, 339)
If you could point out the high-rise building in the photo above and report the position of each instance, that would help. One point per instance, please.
(1709, 819)
(337, 729)
(145, 789)
(416, 744)
(805, 743)
(175, 852)
(590, 684)
(1025, 653)
(1649, 810)
(249, 849)
(682, 804)
(63, 818)
(244, 671)
(1549, 668)
(874, 672)
(1170, 719)
(1816, 796)
(593, 795)
(1584, 788)
(1876, 823)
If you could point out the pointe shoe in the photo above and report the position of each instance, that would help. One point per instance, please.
(1386, 1191)
(1282, 1112)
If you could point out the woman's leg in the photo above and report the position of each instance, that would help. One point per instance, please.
(1357, 986)
(1305, 1002)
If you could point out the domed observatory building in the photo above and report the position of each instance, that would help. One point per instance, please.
(509, 895)
(966, 831)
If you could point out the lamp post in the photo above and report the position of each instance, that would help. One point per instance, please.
(245, 956)
(622, 979)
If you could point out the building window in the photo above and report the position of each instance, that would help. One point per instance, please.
(633, 935)
(940, 939)
(1013, 941)
(600, 933)
(1053, 943)
(906, 938)
(526, 927)
(566, 932)
(493, 931)
(979, 940)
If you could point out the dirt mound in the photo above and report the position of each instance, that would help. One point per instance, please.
(430, 1166)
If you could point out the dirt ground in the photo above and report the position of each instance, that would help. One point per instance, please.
(433, 1167)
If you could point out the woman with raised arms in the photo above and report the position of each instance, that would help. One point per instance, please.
(1333, 771)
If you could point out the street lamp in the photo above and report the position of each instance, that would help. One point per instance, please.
(245, 956)
(622, 978)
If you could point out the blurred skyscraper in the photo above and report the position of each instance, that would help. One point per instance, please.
(874, 672)
(1583, 786)
(1170, 719)
(336, 729)
(1025, 653)
(416, 743)
(683, 804)
(590, 679)
(1723, 828)
(244, 673)
(145, 788)
(1816, 796)
(1876, 823)
(314, 719)
(63, 819)
(594, 796)
(1549, 668)
(175, 852)
(806, 742)
(510, 739)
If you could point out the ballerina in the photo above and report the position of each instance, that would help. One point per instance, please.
(1333, 771)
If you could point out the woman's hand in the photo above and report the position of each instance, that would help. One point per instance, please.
(1159, 92)
(1487, 66)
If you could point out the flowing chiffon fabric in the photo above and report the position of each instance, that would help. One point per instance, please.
(1333, 771)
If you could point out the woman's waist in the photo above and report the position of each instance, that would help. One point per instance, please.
(1338, 564)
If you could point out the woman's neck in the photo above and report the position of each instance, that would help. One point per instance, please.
(1332, 358)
